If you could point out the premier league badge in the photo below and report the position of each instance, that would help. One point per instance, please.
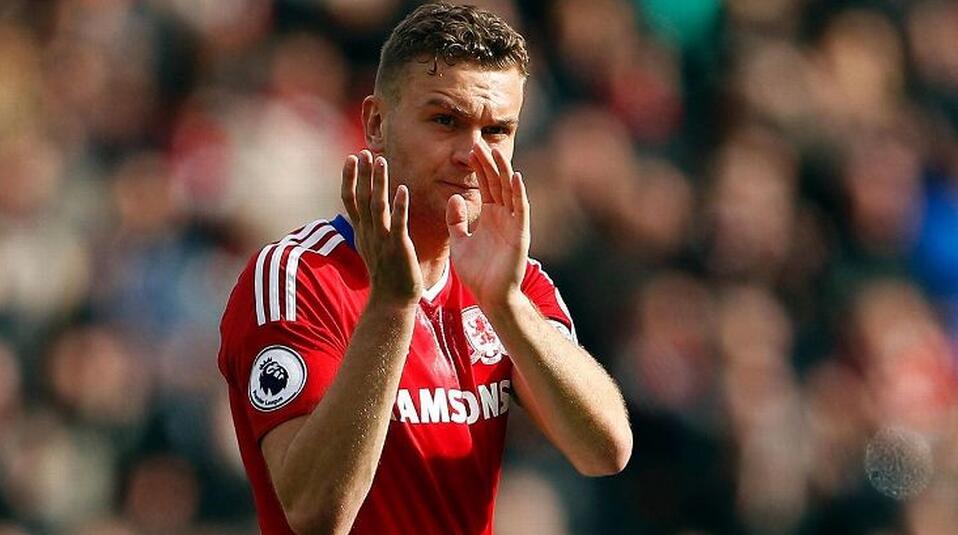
(484, 341)
(277, 377)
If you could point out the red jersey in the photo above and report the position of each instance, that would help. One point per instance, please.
(284, 333)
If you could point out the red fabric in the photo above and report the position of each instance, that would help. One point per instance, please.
(441, 462)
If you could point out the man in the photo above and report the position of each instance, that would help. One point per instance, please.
(372, 361)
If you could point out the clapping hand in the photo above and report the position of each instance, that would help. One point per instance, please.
(382, 234)
(491, 260)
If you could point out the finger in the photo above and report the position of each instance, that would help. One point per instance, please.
(349, 187)
(520, 198)
(398, 224)
(379, 201)
(481, 177)
(363, 184)
(484, 160)
(492, 172)
(505, 178)
(457, 217)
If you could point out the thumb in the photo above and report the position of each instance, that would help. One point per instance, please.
(457, 217)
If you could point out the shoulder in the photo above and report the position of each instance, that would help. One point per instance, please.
(310, 263)
(542, 291)
(536, 275)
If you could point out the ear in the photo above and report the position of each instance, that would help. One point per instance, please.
(373, 118)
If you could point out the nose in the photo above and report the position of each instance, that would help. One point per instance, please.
(464, 145)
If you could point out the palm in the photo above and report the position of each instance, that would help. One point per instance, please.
(492, 259)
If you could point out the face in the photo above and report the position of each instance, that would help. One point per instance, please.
(428, 130)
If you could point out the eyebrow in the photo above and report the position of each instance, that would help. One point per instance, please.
(456, 109)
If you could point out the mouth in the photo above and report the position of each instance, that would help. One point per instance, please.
(460, 186)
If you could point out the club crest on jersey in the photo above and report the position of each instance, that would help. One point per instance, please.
(277, 377)
(483, 340)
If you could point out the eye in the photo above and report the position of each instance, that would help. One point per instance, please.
(496, 131)
(444, 120)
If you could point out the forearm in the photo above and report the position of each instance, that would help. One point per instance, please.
(330, 463)
(569, 394)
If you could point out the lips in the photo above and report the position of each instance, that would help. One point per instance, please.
(458, 185)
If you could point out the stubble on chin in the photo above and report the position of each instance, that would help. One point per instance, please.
(431, 215)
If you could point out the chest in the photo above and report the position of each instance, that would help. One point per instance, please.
(455, 347)
(457, 370)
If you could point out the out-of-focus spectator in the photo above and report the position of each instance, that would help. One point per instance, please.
(307, 134)
(839, 420)
(634, 76)
(45, 262)
(931, 28)
(860, 75)
(881, 178)
(20, 80)
(55, 476)
(908, 360)
(773, 82)
(162, 495)
(668, 362)
(763, 400)
(751, 207)
(95, 378)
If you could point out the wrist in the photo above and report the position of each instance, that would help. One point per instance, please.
(506, 306)
(384, 302)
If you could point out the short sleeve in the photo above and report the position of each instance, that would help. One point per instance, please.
(542, 291)
(282, 366)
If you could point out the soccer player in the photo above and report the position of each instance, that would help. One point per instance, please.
(372, 360)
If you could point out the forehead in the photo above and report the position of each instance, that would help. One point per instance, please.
(474, 89)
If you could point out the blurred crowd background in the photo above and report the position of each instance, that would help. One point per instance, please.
(750, 206)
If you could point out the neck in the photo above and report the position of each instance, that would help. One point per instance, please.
(432, 249)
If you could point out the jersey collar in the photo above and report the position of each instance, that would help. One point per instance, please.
(430, 294)
(342, 226)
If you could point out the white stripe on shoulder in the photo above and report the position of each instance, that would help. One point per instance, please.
(258, 289)
(316, 227)
(292, 265)
(331, 244)
(258, 285)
